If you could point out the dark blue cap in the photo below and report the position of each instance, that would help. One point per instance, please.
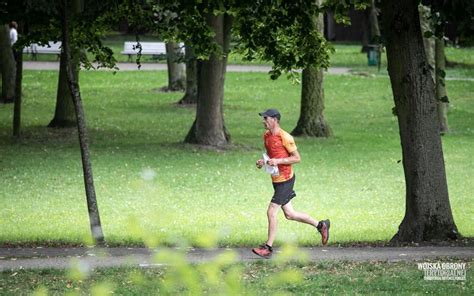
(270, 113)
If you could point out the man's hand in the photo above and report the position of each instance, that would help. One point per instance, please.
(274, 161)
(259, 163)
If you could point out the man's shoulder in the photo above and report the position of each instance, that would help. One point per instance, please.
(285, 135)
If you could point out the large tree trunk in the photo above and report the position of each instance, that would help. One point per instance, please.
(93, 210)
(190, 97)
(311, 122)
(176, 71)
(64, 114)
(208, 128)
(428, 213)
(441, 94)
(7, 65)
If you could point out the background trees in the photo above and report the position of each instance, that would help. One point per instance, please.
(312, 121)
(176, 67)
(284, 33)
(280, 32)
(78, 24)
(7, 65)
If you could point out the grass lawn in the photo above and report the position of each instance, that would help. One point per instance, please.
(152, 188)
(261, 278)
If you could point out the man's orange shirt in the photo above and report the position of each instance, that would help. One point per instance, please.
(280, 146)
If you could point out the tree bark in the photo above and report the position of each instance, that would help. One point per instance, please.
(441, 93)
(374, 22)
(92, 207)
(426, 26)
(428, 213)
(434, 49)
(208, 128)
(176, 71)
(190, 97)
(371, 29)
(331, 26)
(7, 64)
(18, 94)
(64, 114)
(311, 122)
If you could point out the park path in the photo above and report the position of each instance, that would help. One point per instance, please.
(35, 65)
(63, 258)
(44, 65)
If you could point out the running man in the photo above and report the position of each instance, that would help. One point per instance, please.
(282, 152)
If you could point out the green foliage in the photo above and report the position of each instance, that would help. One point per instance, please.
(40, 22)
(282, 32)
(340, 8)
(458, 12)
(186, 21)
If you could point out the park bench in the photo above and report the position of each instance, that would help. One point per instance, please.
(155, 49)
(52, 48)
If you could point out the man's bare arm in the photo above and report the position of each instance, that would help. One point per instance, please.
(293, 158)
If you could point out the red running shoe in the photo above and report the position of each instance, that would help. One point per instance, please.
(323, 228)
(264, 251)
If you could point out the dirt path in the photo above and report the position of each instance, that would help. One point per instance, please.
(61, 258)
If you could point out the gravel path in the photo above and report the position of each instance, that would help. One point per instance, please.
(61, 258)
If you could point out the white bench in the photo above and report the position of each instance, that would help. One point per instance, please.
(155, 49)
(52, 48)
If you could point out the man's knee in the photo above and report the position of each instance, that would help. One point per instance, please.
(272, 210)
(289, 215)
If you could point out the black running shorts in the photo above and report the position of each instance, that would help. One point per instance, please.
(283, 192)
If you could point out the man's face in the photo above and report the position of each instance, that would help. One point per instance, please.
(269, 122)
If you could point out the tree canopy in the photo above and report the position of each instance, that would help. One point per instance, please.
(281, 32)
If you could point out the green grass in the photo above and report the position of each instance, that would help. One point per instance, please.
(203, 196)
(262, 278)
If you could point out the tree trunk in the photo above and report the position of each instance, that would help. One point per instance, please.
(331, 26)
(7, 64)
(208, 128)
(441, 94)
(371, 29)
(428, 213)
(426, 26)
(434, 49)
(18, 82)
(93, 210)
(311, 122)
(176, 71)
(64, 115)
(190, 97)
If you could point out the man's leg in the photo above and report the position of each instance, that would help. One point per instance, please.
(266, 249)
(321, 226)
(291, 214)
(272, 222)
